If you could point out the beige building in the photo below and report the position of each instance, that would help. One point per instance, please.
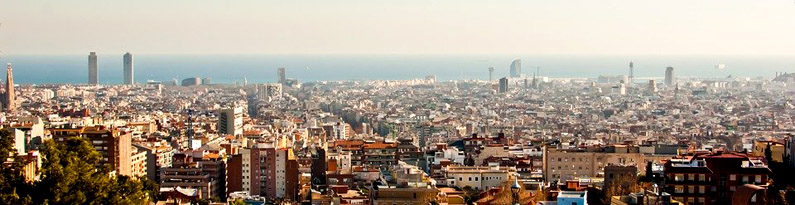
(572, 164)
(138, 162)
(404, 196)
(776, 150)
(477, 177)
(113, 144)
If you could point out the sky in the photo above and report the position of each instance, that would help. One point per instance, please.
(443, 27)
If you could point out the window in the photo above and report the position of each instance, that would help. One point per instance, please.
(745, 179)
(679, 189)
(691, 177)
(732, 177)
(758, 179)
(679, 177)
(701, 189)
(733, 188)
(702, 177)
(691, 189)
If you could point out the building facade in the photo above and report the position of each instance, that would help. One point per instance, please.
(92, 69)
(516, 68)
(230, 121)
(670, 79)
(113, 144)
(129, 73)
(712, 178)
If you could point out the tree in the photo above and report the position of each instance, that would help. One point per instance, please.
(768, 154)
(69, 175)
(542, 195)
(470, 195)
(13, 187)
(622, 185)
(649, 175)
(505, 195)
(237, 202)
(469, 161)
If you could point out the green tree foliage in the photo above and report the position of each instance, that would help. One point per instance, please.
(69, 175)
(12, 183)
(768, 154)
(237, 202)
(470, 195)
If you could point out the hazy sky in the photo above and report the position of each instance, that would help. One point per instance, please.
(622, 27)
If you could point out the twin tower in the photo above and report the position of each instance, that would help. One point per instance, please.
(93, 73)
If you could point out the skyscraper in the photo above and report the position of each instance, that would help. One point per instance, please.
(129, 77)
(92, 68)
(491, 74)
(669, 76)
(652, 88)
(516, 68)
(282, 77)
(9, 102)
(503, 85)
(631, 72)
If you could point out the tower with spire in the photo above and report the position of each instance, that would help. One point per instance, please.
(9, 98)
(631, 72)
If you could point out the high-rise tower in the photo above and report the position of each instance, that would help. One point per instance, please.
(516, 68)
(491, 74)
(92, 68)
(9, 101)
(669, 76)
(631, 72)
(503, 85)
(129, 77)
(282, 77)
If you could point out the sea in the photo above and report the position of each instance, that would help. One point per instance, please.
(229, 69)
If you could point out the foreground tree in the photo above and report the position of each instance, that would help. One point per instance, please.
(13, 187)
(69, 175)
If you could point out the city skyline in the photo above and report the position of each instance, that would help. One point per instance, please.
(397, 102)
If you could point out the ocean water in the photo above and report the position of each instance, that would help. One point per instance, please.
(73, 69)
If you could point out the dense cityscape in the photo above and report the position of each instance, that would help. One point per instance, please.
(413, 102)
(519, 139)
